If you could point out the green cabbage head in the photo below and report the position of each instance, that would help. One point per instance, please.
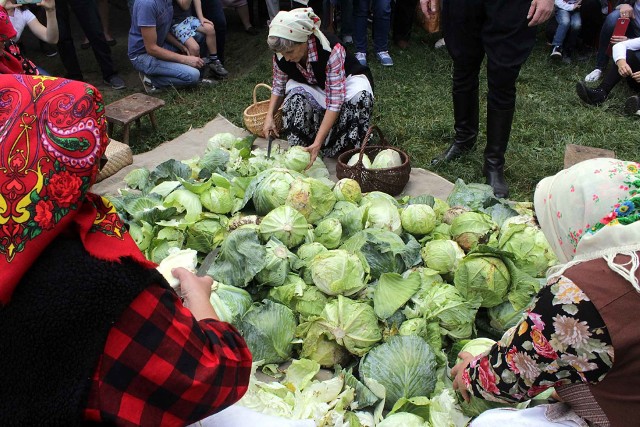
(405, 366)
(312, 198)
(520, 236)
(347, 190)
(338, 272)
(418, 219)
(285, 224)
(484, 276)
(442, 256)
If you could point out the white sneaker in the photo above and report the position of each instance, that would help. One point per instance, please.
(440, 43)
(593, 76)
(361, 57)
(347, 39)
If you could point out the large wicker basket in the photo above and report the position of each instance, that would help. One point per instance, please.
(389, 180)
(255, 114)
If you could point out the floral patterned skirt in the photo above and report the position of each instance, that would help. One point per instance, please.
(302, 115)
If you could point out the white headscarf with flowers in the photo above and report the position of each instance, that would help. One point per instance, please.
(590, 211)
(297, 25)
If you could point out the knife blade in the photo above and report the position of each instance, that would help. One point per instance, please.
(269, 142)
(207, 262)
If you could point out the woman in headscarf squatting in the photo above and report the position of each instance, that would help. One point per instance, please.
(11, 59)
(325, 93)
(90, 332)
(580, 335)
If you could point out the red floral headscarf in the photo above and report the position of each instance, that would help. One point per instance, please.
(52, 136)
(8, 63)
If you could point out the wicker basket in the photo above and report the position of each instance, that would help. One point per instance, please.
(255, 114)
(118, 156)
(389, 180)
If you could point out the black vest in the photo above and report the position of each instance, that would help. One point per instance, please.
(54, 329)
(351, 65)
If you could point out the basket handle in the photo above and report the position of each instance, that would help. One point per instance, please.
(367, 137)
(256, 87)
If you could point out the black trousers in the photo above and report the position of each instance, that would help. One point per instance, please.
(497, 29)
(86, 11)
(403, 16)
(212, 10)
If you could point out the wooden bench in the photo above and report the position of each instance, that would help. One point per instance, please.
(129, 109)
(574, 153)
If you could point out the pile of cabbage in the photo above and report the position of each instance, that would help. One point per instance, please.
(382, 293)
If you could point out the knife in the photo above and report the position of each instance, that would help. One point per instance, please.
(269, 142)
(207, 262)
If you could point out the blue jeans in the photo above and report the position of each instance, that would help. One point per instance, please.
(165, 73)
(565, 20)
(605, 36)
(381, 24)
(346, 16)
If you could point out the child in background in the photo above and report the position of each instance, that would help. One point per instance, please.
(186, 25)
(568, 17)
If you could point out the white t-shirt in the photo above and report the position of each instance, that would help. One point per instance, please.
(20, 19)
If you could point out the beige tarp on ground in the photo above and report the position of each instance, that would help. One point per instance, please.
(194, 142)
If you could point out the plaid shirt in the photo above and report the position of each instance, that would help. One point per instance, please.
(161, 367)
(335, 86)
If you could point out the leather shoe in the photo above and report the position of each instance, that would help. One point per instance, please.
(453, 152)
(590, 96)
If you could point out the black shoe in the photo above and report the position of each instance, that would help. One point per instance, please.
(590, 96)
(112, 42)
(85, 45)
(115, 82)
(252, 31)
(495, 178)
(556, 53)
(632, 106)
(217, 69)
(454, 151)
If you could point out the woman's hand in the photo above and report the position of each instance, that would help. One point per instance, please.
(196, 292)
(458, 371)
(269, 127)
(618, 39)
(313, 150)
(48, 5)
(636, 76)
(204, 21)
(626, 11)
(623, 68)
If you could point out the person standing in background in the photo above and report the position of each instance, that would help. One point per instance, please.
(380, 32)
(403, 16)
(86, 12)
(505, 31)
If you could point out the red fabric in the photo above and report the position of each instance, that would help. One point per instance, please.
(52, 136)
(7, 32)
(8, 64)
(161, 367)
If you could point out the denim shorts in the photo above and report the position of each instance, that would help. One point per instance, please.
(186, 29)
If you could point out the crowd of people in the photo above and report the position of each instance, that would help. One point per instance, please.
(116, 344)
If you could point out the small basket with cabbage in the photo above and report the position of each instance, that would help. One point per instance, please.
(388, 171)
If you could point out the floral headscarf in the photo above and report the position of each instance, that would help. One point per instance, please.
(592, 210)
(297, 25)
(52, 136)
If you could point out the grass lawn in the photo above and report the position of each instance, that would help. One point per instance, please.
(414, 110)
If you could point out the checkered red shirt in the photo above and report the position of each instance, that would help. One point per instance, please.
(335, 86)
(161, 367)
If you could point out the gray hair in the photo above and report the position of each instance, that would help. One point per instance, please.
(279, 44)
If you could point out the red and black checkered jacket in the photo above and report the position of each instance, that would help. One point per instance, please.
(161, 367)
